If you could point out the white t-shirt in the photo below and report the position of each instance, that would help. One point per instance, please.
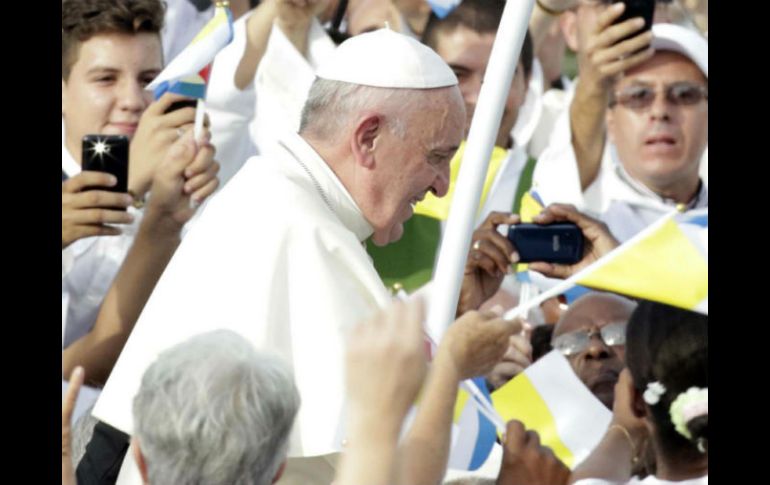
(89, 266)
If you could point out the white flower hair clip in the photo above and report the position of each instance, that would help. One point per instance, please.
(688, 406)
(654, 391)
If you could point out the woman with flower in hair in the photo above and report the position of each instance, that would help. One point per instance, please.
(661, 398)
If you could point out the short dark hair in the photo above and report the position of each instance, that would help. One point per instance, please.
(540, 339)
(83, 19)
(482, 16)
(670, 345)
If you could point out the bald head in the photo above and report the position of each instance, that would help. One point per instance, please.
(594, 309)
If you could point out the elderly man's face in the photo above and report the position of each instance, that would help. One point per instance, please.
(409, 167)
(661, 144)
(596, 362)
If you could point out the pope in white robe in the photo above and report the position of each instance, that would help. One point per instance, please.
(278, 254)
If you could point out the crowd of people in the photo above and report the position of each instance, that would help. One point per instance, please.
(252, 309)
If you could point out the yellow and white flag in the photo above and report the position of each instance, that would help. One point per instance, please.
(549, 398)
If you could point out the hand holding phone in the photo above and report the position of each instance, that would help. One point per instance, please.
(89, 209)
(552, 243)
(160, 126)
(597, 239)
(610, 49)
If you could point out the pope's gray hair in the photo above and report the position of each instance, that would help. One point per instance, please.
(214, 410)
(330, 105)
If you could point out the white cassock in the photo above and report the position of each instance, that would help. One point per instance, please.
(277, 256)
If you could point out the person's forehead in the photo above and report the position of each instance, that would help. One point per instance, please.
(112, 50)
(465, 48)
(443, 120)
(370, 15)
(594, 311)
(663, 68)
(459, 40)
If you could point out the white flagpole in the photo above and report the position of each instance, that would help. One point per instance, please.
(503, 60)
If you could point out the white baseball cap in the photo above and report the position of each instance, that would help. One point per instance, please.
(671, 37)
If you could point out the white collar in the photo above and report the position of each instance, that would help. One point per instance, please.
(700, 199)
(329, 187)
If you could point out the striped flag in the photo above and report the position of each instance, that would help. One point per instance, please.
(442, 8)
(667, 262)
(473, 434)
(188, 73)
(549, 398)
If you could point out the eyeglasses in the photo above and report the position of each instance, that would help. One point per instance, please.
(641, 96)
(576, 342)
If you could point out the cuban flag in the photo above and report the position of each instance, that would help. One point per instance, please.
(473, 433)
(188, 73)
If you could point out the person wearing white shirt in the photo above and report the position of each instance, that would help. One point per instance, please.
(103, 76)
(110, 51)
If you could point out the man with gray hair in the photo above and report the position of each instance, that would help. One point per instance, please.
(214, 410)
(278, 254)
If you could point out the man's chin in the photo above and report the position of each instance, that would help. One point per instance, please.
(605, 393)
(387, 236)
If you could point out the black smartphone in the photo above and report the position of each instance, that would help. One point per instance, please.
(637, 8)
(107, 153)
(192, 103)
(551, 243)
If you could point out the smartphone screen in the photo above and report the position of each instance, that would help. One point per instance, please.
(551, 243)
(107, 153)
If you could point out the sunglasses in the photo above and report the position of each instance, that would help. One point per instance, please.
(575, 342)
(641, 96)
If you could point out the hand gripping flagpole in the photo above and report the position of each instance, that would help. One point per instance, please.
(503, 60)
